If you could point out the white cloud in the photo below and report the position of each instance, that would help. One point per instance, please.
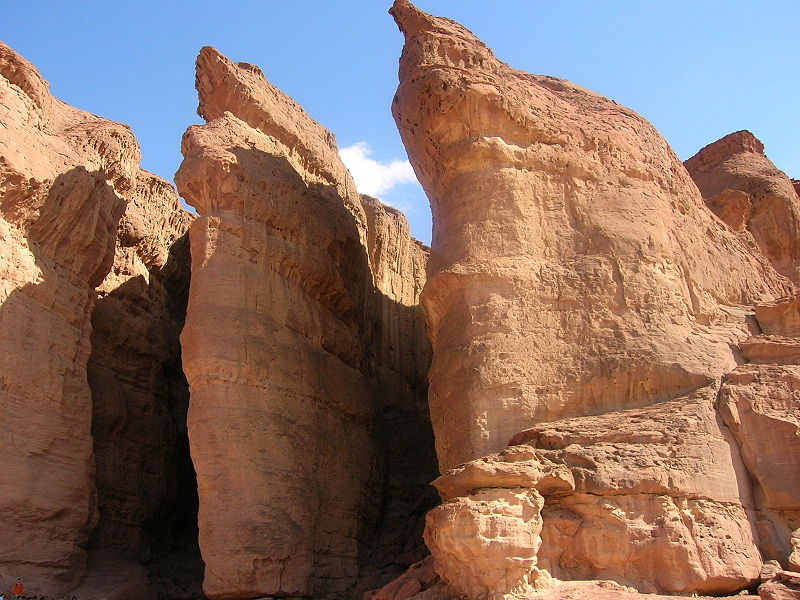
(372, 177)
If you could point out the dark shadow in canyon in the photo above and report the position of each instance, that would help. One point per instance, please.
(146, 484)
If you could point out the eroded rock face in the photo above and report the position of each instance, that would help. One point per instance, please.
(575, 269)
(646, 497)
(760, 404)
(64, 175)
(294, 350)
(140, 396)
(86, 382)
(744, 189)
(580, 289)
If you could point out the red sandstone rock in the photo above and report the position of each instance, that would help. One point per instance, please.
(303, 336)
(420, 576)
(760, 404)
(641, 497)
(139, 393)
(794, 557)
(785, 586)
(64, 178)
(574, 267)
(744, 189)
(781, 317)
(575, 271)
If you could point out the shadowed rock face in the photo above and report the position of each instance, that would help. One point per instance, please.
(304, 348)
(147, 497)
(575, 269)
(63, 176)
(66, 178)
(744, 189)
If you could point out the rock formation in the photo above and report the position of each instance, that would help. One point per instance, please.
(580, 290)
(574, 268)
(140, 397)
(66, 178)
(744, 189)
(760, 404)
(614, 371)
(63, 176)
(302, 336)
(639, 496)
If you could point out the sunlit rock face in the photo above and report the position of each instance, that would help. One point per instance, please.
(744, 189)
(574, 268)
(66, 179)
(584, 303)
(304, 348)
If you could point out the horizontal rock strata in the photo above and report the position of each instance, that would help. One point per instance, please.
(760, 404)
(641, 497)
(139, 394)
(580, 290)
(64, 175)
(66, 179)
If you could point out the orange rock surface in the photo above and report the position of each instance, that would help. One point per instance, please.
(614, 370)
(66, 179)
(303, 330)
(574, 268)
(760, 404)
(744, 189)
(139, 394)
(580, 289)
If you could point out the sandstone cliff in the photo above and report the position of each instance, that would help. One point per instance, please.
(574, 269)
(76, 373)
(63, 176)
(302, 335)
(580, 290)
(744, 189)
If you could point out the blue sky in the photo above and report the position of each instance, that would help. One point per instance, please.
(697, 70)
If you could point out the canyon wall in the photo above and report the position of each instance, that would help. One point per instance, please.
(139, 394)
(65, 174)
(574, 269)
(302, 336)
(606, 400)
(83, 379)
(613, 369)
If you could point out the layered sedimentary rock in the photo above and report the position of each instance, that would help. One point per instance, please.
(575, 269)
(654, 498)
(92, 389)
(65, 176)
(760, 404)
(140, 396)
(744, 189)
(301, 336)
(400, 356)
(580, 289)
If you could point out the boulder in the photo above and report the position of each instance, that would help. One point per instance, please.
(655, 498)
